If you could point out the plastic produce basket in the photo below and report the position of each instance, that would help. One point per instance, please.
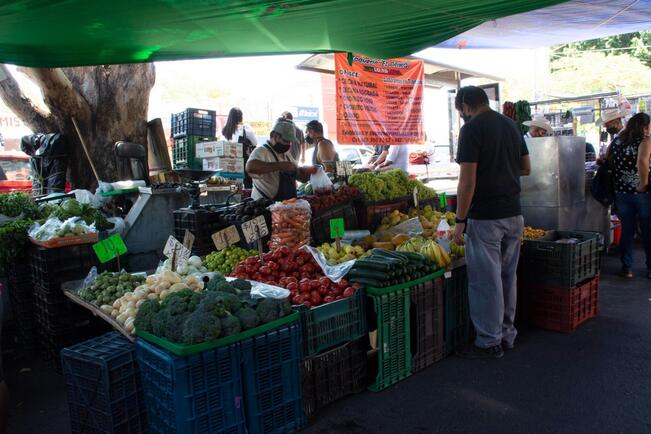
(184, 151)
(103, 386)
(427, 344)
(562, 309)
(562, 265)
(458, 327)
(333, 324)
(334, 374)
(201, 393)
(51, 267)
(194, 122)
(202, 224)
(271, 375)
(19, 285)
(369, 215)
(320, 224)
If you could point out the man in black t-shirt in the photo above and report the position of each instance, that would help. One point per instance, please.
(493, 155)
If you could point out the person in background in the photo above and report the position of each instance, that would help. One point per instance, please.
(324, 149)
(298, 146)
(397, 158)
(273, 170)
(379, 156)
(3, 176)
(630, 154)
(612, 120)
(539, 126)
(236, 131)
(493, 155)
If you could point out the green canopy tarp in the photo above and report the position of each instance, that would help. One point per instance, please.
(48, 33)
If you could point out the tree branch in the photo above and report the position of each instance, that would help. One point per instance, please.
(10, 92)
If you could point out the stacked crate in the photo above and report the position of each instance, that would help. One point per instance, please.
(189, 128)
(19, 280)
(226, 158)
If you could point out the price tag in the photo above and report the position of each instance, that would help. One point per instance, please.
(344, 168)
(254, 229)
(416, 197)
(337, 228)
(174, 247)
(226, 237)
(447, 275)
(188, 240)
(110, 248)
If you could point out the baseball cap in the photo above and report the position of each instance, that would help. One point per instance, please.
(286, 130)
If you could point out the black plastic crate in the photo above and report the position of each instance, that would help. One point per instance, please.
(194, 122)
(103, 386)
(320, 224)
(202, 224)
(459, 330)
(51, 267)
(426, 321)
(184, 151)
(19, 286)
(561, 265)
(339, 372)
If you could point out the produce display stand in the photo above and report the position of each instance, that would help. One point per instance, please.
(427, 331)
(88, 238)
(320, 222)
(369, 214)
(458, 328)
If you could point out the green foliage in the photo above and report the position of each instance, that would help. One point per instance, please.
(636, 44)
(13, 239)
(18, 204)
(388, 185)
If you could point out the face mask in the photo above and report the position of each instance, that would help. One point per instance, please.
(281, 148)
(466, 118)
(308, 140)
(612, 130)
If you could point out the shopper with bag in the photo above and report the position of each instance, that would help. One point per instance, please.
(236, 131)
(273, 170)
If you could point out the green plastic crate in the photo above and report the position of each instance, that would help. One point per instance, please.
(391, 306)
(459, 330)
(184, 151)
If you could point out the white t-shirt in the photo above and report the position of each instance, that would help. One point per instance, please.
(249, 134)
(399, 157)
(268, 182)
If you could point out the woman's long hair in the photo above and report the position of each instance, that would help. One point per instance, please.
(234, 120)
(635, 128)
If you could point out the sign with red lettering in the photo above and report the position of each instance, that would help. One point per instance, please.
(379, 102)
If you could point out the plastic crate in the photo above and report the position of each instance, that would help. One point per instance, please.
(51, 267)
(334, 374)
(427, 343)
(201, 393)
(320, 223)
(19, 286)
(194, 122)
(272, 385)
(184, 151)
(564, 265)
(459, 330)
(434, 202)
(333, 324)
(103, 386)
(562, 309)
(369, 215)
(202, 224)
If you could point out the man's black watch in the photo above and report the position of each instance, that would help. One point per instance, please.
(458, 220)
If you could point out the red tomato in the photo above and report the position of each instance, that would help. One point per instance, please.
(292, 280)
(267, 256)
(296, 274)
(257, 277)
(298, 299)
(324, 281)
(337, 291)
(338, 297)
(284, 250)
(323, 290)
(343, 284)
(304, 286)
(252, 260)
(328, 299)
(283, 282)
(307, 304)
(315, 298)
(300, 260)
(314, 284)
(348, 292)
(292, 286)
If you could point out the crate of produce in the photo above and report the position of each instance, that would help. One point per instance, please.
(200, 393)
(51, 267)
(369, 214)
(426, 314)
(459, 330)
(271, 377)
(562, 309)
(184, 152)
(334, 323)
(561, 264)
(329, 376)
(194, 122)
(202, 224)
(433, 202)
(87, 238)
(103, 386)
(320, 223)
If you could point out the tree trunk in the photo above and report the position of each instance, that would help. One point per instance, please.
(109, 103)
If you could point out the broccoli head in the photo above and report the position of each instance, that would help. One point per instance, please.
(248, 318)
(220, 285)
(230, 325)
(241, 285)
(267, 310)
(145, 315)
(178, 302)
(231, 302)
(200, 326)
(174, 327)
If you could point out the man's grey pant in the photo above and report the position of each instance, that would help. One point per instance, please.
(492, 253)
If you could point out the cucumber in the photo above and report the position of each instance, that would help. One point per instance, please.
(369, 282)
(372, 264)
(367, 274)
(380, 253)
(414, 257)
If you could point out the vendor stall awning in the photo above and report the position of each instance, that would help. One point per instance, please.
(571, 21)
(44, 33)
(436, 74)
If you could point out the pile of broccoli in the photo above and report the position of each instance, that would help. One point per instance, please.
(224, 309)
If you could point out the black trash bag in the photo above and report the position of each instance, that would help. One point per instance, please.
(49, 161)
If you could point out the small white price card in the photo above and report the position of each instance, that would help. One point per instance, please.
(254, 229)
(174, 247)
(226, 237)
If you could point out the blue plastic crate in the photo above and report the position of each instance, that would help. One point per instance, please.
(272, 384)
(201, 393)
(103, 386)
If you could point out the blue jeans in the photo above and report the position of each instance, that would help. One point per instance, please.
(632, 208)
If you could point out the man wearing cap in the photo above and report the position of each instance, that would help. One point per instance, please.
(539, 126)
(272, 168)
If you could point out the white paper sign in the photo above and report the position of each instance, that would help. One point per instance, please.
(226, 237)
(250, 232)
(344, 168)
(173, 245)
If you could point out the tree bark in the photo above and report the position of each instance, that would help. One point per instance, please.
(109, 103)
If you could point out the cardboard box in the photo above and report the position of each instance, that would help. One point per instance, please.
(232, 165)
(221, 148)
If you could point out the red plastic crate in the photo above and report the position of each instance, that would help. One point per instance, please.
(563, 310)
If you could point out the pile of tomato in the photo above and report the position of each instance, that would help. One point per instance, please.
(296, 271)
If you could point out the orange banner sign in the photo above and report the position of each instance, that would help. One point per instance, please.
(379, 102)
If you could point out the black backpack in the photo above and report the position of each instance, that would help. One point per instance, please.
(247, 148)
(603, 183)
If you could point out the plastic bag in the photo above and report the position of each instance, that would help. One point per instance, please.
(290, 224)
(85, 196)
(321, 184)
(262, 290)
(55, 228)
(333, 272)
(119, 226)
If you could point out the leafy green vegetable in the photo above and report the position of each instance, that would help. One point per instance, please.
(13, 239)
(18, 204)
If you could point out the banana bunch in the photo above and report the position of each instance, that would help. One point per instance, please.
(429, 248)
(413, 245)
(456, 250)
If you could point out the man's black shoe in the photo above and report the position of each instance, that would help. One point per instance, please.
(474, 352)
